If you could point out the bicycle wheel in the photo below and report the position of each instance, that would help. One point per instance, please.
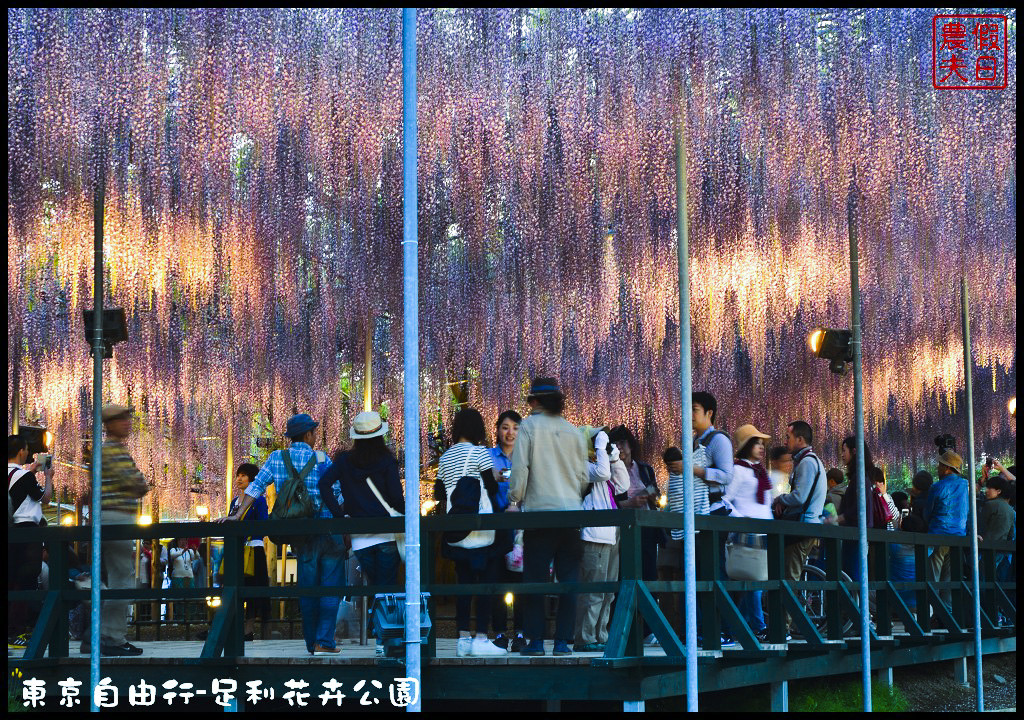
(814, 600)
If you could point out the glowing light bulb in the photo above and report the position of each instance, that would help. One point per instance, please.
(815, 338)
(202, 510)
(1012, 406)
(509, 597)
(145, 519)
(427, 506)
(213, 602)
(67, 520)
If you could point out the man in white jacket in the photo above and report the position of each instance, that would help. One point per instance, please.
(608, 477)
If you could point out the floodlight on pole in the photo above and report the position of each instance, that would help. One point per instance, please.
(832, 345)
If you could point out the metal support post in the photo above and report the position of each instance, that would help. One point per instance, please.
(858, 404)
(686, 442)
(410, 279)
(960, 672)
(972, 524)
(95, 639)
(779, 696)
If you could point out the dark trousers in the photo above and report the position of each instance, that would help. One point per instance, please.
(540, 547)
(468, 572)
(501, 609)
(24, 563)
(258, 607)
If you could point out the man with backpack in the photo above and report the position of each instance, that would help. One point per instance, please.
(807, 500)
(295, 473)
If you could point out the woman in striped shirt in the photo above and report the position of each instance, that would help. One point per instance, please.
(467, 473)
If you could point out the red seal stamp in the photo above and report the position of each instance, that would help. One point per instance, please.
(969, 52)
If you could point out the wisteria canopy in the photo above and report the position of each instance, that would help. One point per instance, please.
(254, 219)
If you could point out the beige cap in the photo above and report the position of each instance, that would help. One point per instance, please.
(367, 425)
(951, 459)
(744, 433)
(111, 412)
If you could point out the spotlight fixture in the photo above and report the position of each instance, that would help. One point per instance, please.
(115, 329)
(39, 439)
(832, 345)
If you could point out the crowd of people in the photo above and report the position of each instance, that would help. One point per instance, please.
(539, 463)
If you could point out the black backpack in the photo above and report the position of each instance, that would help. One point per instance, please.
(293, 502)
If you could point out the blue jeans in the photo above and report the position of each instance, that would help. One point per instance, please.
(321, 564)
(379, 563)
(901, 566)
(752, 610)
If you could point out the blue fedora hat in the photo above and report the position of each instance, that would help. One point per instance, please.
(299, 425)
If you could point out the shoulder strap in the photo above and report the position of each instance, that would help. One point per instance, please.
(469, 456)
(387, 506)
(11, 479)
(304, 473)
(814, 485)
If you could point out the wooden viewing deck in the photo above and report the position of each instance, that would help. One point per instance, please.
(626, 672)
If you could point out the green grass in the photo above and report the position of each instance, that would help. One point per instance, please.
(845, 697)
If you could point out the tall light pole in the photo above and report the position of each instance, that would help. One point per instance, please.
(686, 397)
(99, 192)
(411, 323)
(972, 504)
(858, 408)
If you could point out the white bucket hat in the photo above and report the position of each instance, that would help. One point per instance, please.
(367, 425)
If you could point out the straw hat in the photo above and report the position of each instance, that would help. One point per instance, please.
(951, 459)
(367, 425)
(743, 435)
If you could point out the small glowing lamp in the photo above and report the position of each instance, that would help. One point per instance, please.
(427, 506)
(815, 339)
(202, 511)
(145, 519)
(67, 520)
(509, 598)
(1012, 406)
(663, 501)
(213, 602)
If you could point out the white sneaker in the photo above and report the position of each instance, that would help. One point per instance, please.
(482, 647)
(463, 647)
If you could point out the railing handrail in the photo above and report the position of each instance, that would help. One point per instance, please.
(497, 521)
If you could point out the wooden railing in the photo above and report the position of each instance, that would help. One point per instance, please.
(634, 594)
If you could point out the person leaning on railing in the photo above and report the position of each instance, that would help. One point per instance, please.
(321, 557)
(945, 511)
(368, 478)
(25, 498)
(807, 500)
(749, 494)
(549, 472)
(998, 522)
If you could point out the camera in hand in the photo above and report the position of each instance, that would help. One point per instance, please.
(45, 461)
(946, 442)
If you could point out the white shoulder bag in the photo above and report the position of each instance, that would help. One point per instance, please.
(477, 538)
(399, 537)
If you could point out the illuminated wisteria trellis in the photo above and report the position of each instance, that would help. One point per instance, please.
(253, 224)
